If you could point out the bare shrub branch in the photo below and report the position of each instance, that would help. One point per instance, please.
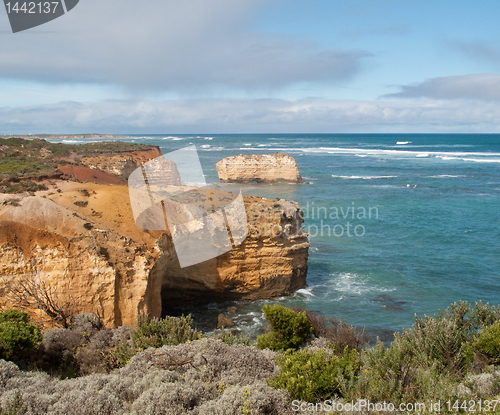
(32, 294)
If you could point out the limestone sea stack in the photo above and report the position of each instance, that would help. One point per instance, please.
(262, 168)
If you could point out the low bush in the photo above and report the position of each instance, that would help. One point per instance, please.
(204, 377)
(313, 376)
(441, 341)
(84, 348)
(290, 329)
(17, 335)
(338, 333)
(230, 337)
(430, 360)
(488, 342)
(88, 347)
(157, 332)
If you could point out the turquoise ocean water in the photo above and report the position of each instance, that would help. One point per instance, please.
(426, 214)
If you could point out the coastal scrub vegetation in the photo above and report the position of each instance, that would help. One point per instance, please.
(17, 335)
(165, 366)
(23, 163)
(290, 328)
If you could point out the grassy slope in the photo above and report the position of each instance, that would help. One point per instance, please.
(24, 162)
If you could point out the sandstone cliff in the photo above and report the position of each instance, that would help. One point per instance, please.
(264, 168)
(272, 261)
(121, 165)
(85, 244)
(95, 263)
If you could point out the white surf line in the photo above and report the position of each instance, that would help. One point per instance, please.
(333, 150)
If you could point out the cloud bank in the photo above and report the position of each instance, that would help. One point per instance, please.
(251, 116)
(180, 46)
(475, 86)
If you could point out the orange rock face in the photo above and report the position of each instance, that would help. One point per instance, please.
(271, 262)
(85, 244)
(121, 165)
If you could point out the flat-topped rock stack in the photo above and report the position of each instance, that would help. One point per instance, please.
(262, 168)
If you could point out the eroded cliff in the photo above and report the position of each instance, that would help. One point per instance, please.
(84, 242)
(271, 261)
(121, 165)
(92, 261)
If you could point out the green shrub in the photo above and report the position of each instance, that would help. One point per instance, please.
(386, 373)
(121, 354)
(290, 329)
(312, 376)
(159, 332)
(230, 338)
(429, 361)
(59, 150)
(440, 339)
(488, 341)
(17, 334)
(399, 374)
(472, 320)
(483, 315)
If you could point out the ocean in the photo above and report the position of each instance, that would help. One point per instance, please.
(400, 224)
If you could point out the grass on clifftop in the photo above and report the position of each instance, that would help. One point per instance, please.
(24, 161)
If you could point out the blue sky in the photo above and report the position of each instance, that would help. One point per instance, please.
(157, 66)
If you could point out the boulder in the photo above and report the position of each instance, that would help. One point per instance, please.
(223, 321)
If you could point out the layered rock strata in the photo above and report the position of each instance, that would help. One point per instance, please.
(93, 262)
(271, 261)
(84, 243)
(264, 168)
(121, 165)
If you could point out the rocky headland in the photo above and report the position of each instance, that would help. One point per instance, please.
(80, 238)
(262, 168)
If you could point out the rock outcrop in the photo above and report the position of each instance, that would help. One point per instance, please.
(84, 243)
(272, 261)
(121, 165)
(264, 168)
(91, 266)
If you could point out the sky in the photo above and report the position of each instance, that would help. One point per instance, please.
(255, 66)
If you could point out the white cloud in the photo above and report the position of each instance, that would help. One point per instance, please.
(181, 46)
(484, 86)
(252, 115)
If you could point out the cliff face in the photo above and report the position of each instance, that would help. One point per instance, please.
(265, 168)
(272, 261)
(91, 267)
(121, 165)
(84, 243)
